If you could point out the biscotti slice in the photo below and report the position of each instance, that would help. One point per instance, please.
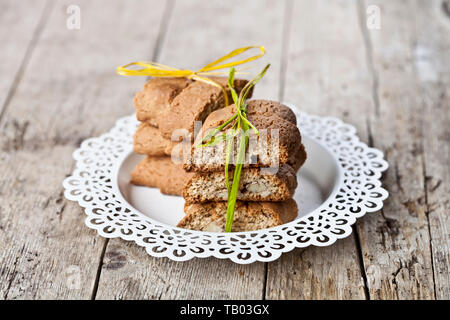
(195, 103)
(154, 99)
(254, 185)
(148, 140)
(248, 216)
(278, 142)
(162, 173)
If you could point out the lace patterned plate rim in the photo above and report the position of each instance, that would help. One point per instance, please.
(93, 184)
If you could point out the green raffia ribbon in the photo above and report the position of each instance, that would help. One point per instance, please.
(239, 124)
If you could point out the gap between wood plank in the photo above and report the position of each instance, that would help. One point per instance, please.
(28, 52)
(369, 55)
(361, 262)
(162, 33)
(374, 76)
(427, 214)
(266, 271)
(99, 270)
(163, 26)
(285, 46)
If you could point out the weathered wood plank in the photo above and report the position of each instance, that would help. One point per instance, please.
(432, 65)
(326, 74)
(69, 91)
(396, 244)
(195, 38)
(316, 273)
(20, 24)
(129, 273)
(45, 250)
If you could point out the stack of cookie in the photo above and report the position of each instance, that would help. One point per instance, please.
(268, 179)
(167, 109)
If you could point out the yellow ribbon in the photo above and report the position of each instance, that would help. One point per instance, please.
(155, 69)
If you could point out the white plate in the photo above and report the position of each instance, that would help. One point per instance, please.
(339, 182)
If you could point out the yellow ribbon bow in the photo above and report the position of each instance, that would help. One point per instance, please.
(155, 69)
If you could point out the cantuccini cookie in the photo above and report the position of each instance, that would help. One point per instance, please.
(195, 103)
(148, 140)
(278, 142)
(254, 185)
(248, 216)
(162, 173)
(152, 102)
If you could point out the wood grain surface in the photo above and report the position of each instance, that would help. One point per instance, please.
(58, 86)
(325, 75)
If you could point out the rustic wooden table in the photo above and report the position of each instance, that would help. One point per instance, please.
(58, 86)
